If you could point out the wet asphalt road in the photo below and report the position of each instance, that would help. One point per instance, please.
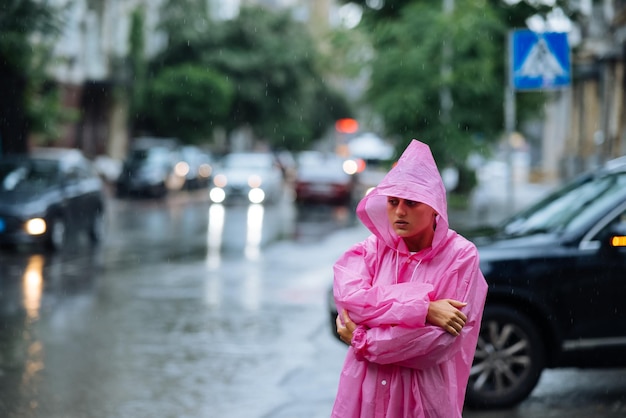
(187, 310)
(193, 310)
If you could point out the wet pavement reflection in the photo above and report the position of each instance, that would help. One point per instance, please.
(184, 308)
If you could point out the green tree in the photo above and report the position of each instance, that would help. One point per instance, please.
(422, 52)
(188, 101)
(408, 79)
(272, 62)
(27, 102)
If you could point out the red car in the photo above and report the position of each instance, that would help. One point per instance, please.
(325, 179)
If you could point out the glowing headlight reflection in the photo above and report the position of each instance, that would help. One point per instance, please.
(254, 231)
(214, 235)
(32, 286)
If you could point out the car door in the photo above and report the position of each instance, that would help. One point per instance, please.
(599, 292)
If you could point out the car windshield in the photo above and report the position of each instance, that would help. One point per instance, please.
(21, 175)
(569, 207)
(247, 161)
(154, 155)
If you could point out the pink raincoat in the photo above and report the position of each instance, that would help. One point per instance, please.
(398, 365)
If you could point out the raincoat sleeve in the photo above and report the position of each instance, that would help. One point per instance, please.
(423, 347)
(404, 304)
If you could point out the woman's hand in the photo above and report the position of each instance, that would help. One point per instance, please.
(345, 328)
(445, 313)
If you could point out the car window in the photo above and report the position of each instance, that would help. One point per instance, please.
(608, 196)
(571, 207)
(27, 175)
(316, 159)
(79, 172)
(157, 155)
(617, 224)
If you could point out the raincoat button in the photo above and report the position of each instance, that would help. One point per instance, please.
(384, 382)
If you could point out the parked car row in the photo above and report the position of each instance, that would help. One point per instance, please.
(53, 192)
(155, 166)
(557, 285)
(261, 177)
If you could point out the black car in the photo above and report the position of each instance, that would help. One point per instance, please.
(195, 167)
(557, 286)
(149, 169)
(48, 194)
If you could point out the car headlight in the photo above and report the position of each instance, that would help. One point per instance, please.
(217, 195)
(181, 169)
(350, 167)
(35, 226)
(220, 180)
(254, 181)
(256, 195)
(205, 170)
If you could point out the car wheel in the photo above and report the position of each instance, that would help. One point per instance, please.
(508, 362)
(96, 228)
(57, 235)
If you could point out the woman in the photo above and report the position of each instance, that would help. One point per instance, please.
(410, 298)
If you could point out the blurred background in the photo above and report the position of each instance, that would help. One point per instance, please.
(177, 261)
(235, 75)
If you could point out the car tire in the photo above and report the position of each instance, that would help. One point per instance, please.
(509, 359)
(57, 235)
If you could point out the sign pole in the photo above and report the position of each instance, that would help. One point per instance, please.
(509, 123)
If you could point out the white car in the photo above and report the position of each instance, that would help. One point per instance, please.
(250, 177)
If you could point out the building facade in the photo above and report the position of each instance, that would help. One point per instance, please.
(598, 120)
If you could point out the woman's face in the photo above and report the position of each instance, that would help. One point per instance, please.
(413, 221)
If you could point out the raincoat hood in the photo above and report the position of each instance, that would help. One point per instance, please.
(414, 177)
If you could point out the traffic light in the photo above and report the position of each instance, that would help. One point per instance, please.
(347, 126)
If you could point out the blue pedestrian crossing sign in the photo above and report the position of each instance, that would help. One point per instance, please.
(540, 61)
